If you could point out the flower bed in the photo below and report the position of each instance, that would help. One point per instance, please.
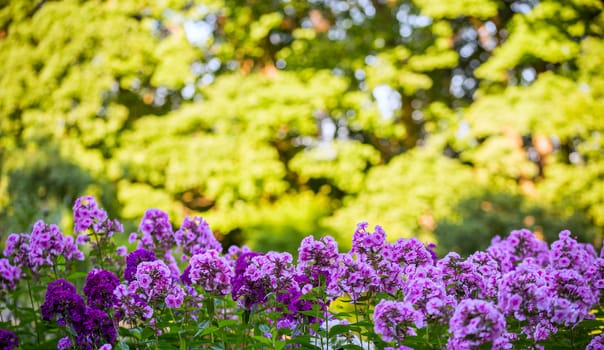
(178, 289)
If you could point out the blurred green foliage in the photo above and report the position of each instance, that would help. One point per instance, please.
(452, 121)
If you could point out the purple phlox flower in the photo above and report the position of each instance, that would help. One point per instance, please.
(317, 259)
(487, 269)
(135, 258)
(426, 292)
(353, 277)
(195, 237)
(95, 330)
(595, 275)
(395, 320)
(461, 277)
(8, 340)
(409, 253)
(247, 292)
(274, 270)
(391, 276)
(9, 275)
(99, 288)
(519, 245)
(130, 305)
(185, 278)
(155, 283)
(121, 251)
(64, 344)
(82, 239)
(524, 293)
(596, 343)
(431, 247)
(70, 249)
(62, 300)
(567, 253)
(234, 252)
(368, 245)
(572, 299)
(175, 297)
(86, 212)
(108, 227)
(154, 279)
(265, 274)
(291, 315)
(106, 347)
(47, 243)
(157, 231)
(212, 272)
(17, 249)
(172, 264)
(474, 324)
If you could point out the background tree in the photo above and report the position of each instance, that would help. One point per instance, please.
(449, 121)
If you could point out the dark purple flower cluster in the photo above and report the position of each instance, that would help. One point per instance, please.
(99, 288)
(8, 340)
(64, 302)
(96, 330)
(92, 327)
(196, 237)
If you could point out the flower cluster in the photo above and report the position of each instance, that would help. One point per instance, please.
(133, 259)
(41, 248)
(92, 327)
(156, 231)
(9, 275)
(86, 213)
(395, 320)
(518, 246)
(212, 272)
(196, 237)
(317, 259)
(354, 277)
(425, 290)
(519, 292)
(99, 288)
(8, 340)
(476, 323)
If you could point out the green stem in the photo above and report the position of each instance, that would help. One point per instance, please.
(35, 308)
(356, 316)
(99, 250)
(180, 340)
(54, 270)
(210, 306)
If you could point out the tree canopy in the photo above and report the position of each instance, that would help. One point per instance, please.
(451, 121)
